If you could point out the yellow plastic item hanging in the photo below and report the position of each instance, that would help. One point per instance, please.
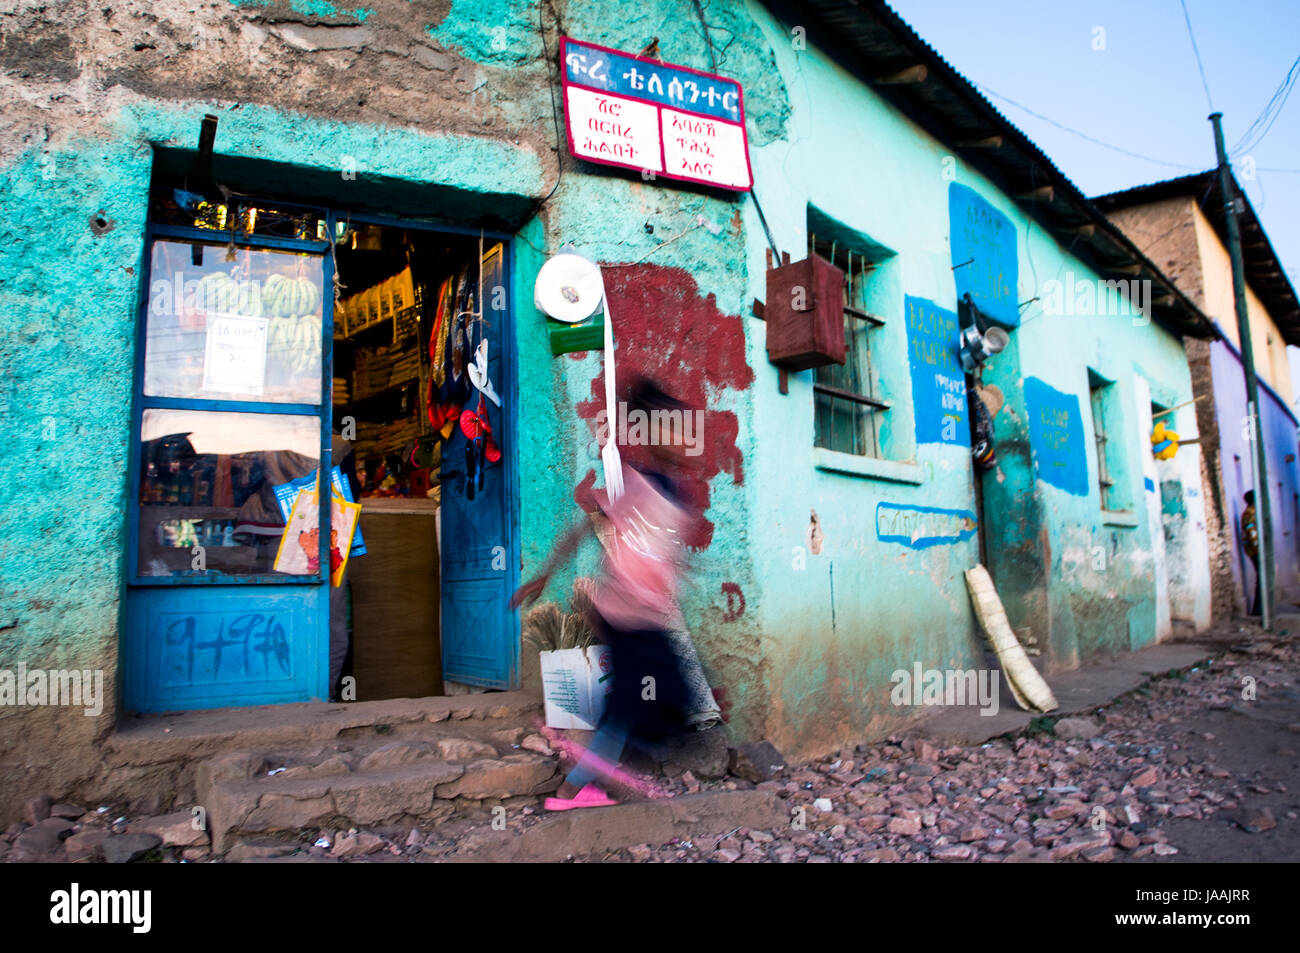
(1164, 442)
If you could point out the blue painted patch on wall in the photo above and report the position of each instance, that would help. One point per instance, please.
(938, 382)
(1056, 436)
(984, 254)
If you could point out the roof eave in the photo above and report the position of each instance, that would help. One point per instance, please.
(871, 41)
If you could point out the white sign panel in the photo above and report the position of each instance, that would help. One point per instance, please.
(234, 359)
(612, 129)
(707, 148)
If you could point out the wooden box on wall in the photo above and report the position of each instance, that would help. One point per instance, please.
(805, 314)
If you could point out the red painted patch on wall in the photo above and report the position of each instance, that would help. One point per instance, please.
(665, 330)
(735, 601)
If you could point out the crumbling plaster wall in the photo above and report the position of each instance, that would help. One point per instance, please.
(444, 97)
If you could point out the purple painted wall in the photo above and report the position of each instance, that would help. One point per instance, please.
(1283, 474)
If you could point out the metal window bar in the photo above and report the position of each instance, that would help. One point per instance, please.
(1104, 482)
(848, 391)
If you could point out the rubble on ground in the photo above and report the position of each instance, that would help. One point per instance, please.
(1091, 787)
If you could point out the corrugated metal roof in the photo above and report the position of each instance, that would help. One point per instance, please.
(1264, 271)
(870, 40)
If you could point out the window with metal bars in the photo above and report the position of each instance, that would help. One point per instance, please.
(847, 398)
(1100, 391)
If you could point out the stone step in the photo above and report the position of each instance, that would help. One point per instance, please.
(399, 783)
(153, 739)
(364, 748)
(440, 777)
(701, 820)
(162, 753)
(590, 832)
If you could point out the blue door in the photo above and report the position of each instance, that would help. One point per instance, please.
(224, 604)
(480, 561)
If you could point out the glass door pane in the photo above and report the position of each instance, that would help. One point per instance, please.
(208, 479)
(243, 329)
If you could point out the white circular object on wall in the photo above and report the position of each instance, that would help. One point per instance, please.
(568, 288)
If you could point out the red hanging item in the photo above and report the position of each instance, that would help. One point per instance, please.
(474, 425)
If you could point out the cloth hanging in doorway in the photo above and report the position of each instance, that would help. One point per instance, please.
(438, 337)
(453, 389)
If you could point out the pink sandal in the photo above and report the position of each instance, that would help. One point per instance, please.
(589, 796)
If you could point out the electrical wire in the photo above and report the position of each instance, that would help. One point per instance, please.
(1084, 135)
(555, 117)
(1272, 109)
(713, 59)
(753, 193)
(1196, 50)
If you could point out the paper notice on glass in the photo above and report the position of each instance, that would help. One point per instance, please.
(234, 360)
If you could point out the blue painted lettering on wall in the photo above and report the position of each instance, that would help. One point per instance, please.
(252, 644)
(919, 527)
(1056, 437)
(982, 233)
(938, 382)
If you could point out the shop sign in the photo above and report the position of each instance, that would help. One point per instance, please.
(663, 120)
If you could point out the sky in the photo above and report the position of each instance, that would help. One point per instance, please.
(1124, 72)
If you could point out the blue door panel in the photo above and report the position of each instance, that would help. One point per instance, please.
(220, 646)
(210, 646)
(473, 633)
(480, 633)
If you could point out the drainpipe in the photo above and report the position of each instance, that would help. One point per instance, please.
(1258, 459)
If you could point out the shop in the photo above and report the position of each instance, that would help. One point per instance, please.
(278, 341)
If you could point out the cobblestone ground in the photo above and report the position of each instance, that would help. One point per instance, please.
(1200, 765)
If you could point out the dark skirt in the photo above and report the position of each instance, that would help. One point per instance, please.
(650, 711)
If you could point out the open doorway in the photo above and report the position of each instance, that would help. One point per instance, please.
(251, 378)
(408, 327)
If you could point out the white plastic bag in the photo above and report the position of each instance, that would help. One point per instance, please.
(574, 685)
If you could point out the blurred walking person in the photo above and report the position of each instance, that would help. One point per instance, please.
(635, 601)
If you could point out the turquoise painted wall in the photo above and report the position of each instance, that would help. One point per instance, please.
(854, 158)
(69, 289)
(804, 642)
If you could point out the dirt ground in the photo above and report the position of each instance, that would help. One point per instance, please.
(1193, 765)
(1196, 765)
(1257, 742)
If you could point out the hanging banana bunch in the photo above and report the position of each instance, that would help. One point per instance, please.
(220, 292)
(293, 336)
